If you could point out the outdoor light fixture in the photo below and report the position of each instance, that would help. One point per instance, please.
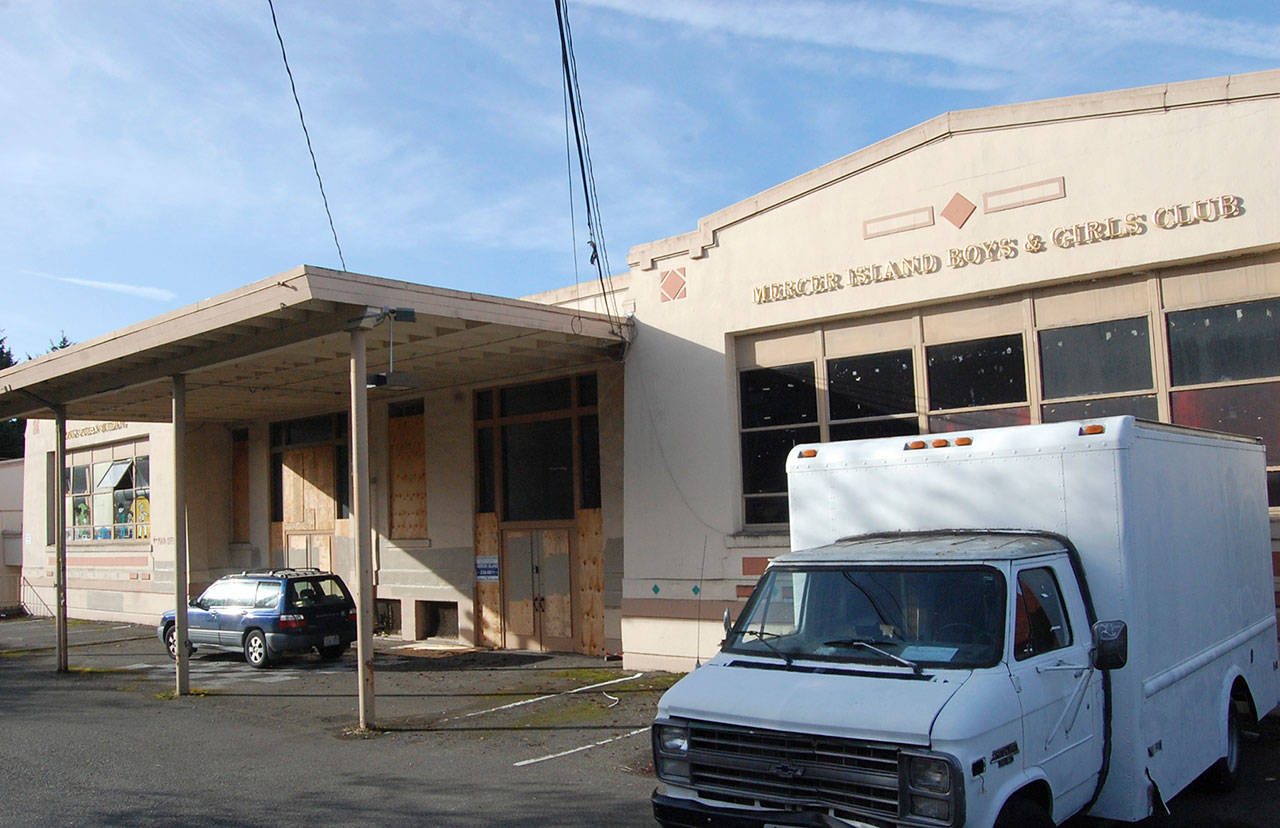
(392, 379)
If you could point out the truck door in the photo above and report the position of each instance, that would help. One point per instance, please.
(1060, 694)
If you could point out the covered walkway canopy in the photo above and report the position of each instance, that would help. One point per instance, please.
(280, 348)
(296, 344)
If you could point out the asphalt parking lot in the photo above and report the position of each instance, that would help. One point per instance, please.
(463, 738)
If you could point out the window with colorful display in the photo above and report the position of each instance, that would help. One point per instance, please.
(109, 493)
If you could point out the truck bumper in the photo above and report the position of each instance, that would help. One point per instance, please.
(686, 813)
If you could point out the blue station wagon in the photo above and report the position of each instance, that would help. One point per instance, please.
(268, 613)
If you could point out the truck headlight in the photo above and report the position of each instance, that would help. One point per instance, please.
(671, 752)
(673, 739)
(926, 773)
(927, 806)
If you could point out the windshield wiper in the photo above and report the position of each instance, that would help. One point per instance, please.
(763, 637)
(860, 642)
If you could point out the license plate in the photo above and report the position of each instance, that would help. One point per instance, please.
(331, 641)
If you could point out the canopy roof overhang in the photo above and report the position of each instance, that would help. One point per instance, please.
(281, 348)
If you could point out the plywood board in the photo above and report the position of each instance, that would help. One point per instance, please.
(488, 593)
(589, 582)
(406, 439)
(556, 581)
(517, 582)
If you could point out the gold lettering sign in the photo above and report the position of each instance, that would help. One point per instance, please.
(89, 431)
(1066, 237)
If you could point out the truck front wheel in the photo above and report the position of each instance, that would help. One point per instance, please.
(1021, 812)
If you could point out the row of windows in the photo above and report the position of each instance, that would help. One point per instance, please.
(1095, 370)
(108, 493)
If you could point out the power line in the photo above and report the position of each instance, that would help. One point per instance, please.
(306, 134)
(595, 229)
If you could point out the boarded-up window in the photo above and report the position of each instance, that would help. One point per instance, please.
(406, 438)
(240, 485)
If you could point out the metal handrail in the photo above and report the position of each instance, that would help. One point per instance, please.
(29, 589)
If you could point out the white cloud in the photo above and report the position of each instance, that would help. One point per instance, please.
(138, 291)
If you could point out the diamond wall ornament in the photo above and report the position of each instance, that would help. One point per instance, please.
(655, 589)
(958, 210)
(671, 285)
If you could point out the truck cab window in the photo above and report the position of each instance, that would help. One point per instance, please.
(1040, 620)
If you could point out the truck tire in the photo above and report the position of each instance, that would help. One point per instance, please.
(1021, 812)
(1223, 774)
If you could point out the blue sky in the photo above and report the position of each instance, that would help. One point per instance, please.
(150, 152)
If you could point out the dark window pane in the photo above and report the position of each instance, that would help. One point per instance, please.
(589, 454)
(978, 372)
(587, 390)
(1143, 407)
(1252, 410)
(239, 435)
(309, 430)
(408, 408)
(79, 478)
(277, 487)
(1229, 342)
(966, 420)
(871, 385)
(1273, 489)
(342, 481)
(1095, 359)
(277, 435)
(764, 457)
(142, 471)
(484, 405)
(537, 470)
(486, 496)
(536, 398)
(874, 428)
(766, 509)
(777, 396)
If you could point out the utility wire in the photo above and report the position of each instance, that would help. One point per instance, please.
(306, 134)
(599, 254)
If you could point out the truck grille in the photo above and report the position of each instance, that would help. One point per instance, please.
(775, 769)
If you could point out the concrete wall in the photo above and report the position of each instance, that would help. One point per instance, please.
(809, 250)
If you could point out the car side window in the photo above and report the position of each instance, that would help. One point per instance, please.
(1040, 619)
(240, 594)
(216, 595)
(267, 596)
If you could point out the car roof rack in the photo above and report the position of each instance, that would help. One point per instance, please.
(284, 572)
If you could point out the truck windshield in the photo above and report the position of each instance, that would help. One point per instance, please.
(952, 616)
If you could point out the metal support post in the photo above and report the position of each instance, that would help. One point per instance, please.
(360, 524)
(181, 585)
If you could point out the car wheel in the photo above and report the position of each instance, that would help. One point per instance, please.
(171, 642)
(331, 653)
(1223, 775)
(255, 649)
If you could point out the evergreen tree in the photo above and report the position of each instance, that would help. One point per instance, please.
(11, 431)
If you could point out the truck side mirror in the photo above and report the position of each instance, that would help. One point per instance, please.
(1110, 645)
(728, 624)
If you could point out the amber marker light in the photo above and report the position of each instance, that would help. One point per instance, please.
(915, 444)
(964, 441)
(941, 443)
(808, 452)
(1091, 429)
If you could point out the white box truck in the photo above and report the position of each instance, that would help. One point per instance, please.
(1006, 626)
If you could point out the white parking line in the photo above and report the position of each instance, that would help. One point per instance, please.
(540, 698)
(578, 749)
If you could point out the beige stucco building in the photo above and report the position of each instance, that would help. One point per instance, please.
(1102, 254)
